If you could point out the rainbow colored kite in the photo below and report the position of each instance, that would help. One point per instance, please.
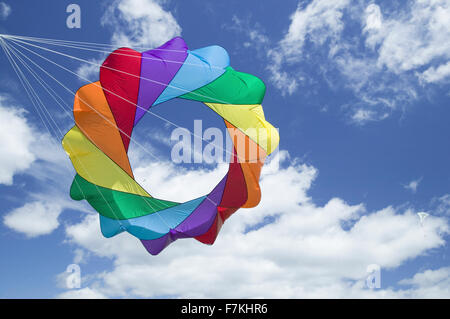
(105, 113)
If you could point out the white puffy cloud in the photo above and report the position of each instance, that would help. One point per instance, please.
(408, 47)
(308, 251)
(34, 219)
(417, 38)
(436, 74)
(79, 256)
(385, 63)
(90, 71)
(26, 150)
(429, 284)
(83, 293)
(319, 21)
(166, 180)
(16, 139)
(140, 23)
(40, 214)
(5, 11)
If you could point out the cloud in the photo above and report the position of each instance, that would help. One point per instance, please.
(430, 284)
(307, 251)
(413, 185)
(140, 23)
(16, 139)
(34, 219)
(257, 40)
(385, 57)
(41, 208)
(442, 205)
(79, 256)
(362, 116)
(436, 74)
(83, 293)
(164, 179)
(408, 48)
(416, 38)
(25, 150)
(254, 32)
(318, 22)
(334, 242)
(282, 80)
(90, 72)
(5, 11)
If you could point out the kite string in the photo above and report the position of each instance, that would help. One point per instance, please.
(68, 144)
(17, 72)
(120, 71)
(35, 75)
(31, 93)
(129, 102)
(130, 55)
(143, 147)
(121, 97)
(45, 82)
(91, 107)
(41, 80)
(35, 39)
(8, 51)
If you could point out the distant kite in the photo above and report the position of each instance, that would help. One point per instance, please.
(106, 112)
(422, 217)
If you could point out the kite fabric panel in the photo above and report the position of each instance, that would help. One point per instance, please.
(105, 113)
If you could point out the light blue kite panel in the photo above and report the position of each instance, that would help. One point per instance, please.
(201, 67)
(150, 226)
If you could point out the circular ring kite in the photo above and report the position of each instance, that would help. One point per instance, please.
(105, 113)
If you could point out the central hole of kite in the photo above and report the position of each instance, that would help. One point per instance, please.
(183, 160)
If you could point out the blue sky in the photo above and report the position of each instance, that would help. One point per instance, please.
(359, 91)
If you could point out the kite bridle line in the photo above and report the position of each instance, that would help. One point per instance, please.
(207, 197)
(121, 54)
(234, 155)
(117, 168)
(8, 50)
(81, 43)
(97, 188)
(147, 111)
(123, 72)
(119, 96)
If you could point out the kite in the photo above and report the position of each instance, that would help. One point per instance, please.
(106, 111)
(422, 217)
